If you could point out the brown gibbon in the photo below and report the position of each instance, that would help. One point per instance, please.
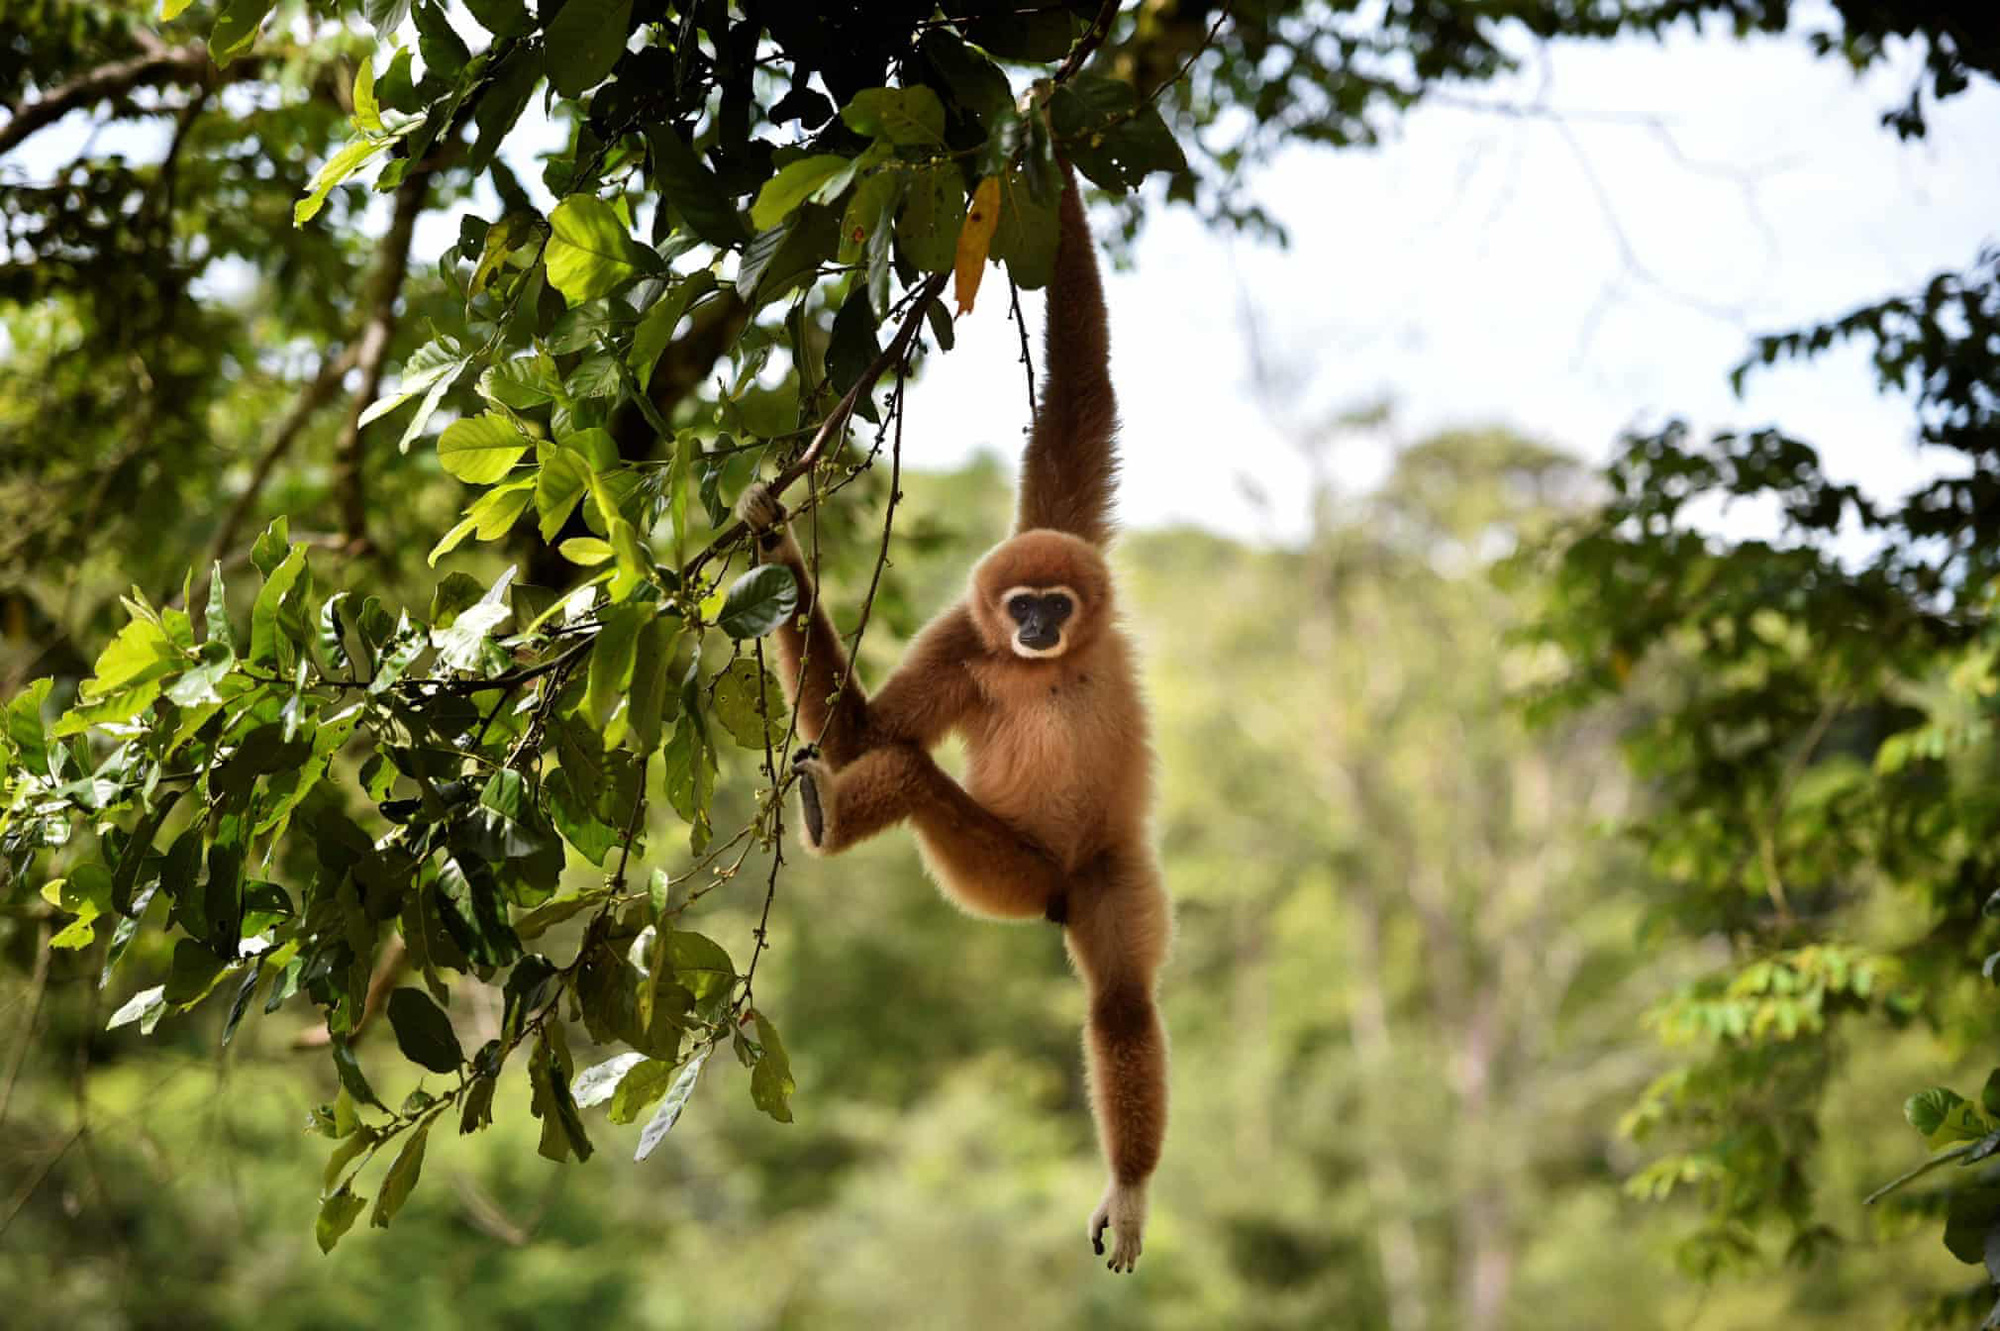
(1034, 671)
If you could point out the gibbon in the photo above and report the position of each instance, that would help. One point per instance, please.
(1034, 671)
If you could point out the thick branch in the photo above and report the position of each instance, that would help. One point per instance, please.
(385, 284)
(167, 65)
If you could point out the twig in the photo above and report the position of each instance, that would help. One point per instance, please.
(40, 986)
(1100, 28)
(371, 349)
(898, 346)
(1027, 363)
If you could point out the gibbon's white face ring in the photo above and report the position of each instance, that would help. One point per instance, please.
(1062, 634)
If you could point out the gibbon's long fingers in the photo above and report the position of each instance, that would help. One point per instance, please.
(1069, 472)
(812, 661)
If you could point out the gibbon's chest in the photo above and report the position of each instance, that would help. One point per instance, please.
(1049, 751)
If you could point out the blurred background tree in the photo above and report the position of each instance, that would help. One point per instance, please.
(1414, 968)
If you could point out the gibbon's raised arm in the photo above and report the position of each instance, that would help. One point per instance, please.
(1070, 469)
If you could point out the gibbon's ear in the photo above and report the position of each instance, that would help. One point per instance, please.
(1070, 469)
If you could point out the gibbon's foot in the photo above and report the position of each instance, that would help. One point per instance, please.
(1124, 1211)
(761, 512)
(814, 777)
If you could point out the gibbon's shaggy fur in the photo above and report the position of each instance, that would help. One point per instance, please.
(1034, 671)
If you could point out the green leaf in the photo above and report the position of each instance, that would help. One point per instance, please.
(758, 602)
(611, 660)
(332, 172)
(561, 483)
(194, 972)
(367, 114)
(236, 29)
(141, 652)
(443, 50)
(933, 213)
(790, 187)
(903, 116)
(466, 644)
(650, 660)
(482, 449)
(337, 1215)
(1972, 1214)
(669, 1112)
(1025, 238)
(402, 1177)
(638, 1089)
(702, 967)
(173, 9)
(507, 96)
(656, 328)
(975, 83)
(589, 253)
(585, 39)
(1944, 1116)
(595, 1085)
(276, 616)
(145, 1003)
(771, 1084)
(688, 772)
(349, 1070)
(585, 551)
(750, 704)
(692, 190)
(423, 1031)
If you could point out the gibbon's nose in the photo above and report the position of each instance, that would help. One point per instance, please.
(1039, 636)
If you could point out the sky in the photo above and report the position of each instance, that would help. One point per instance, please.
(1595, 266)
(1571, 276)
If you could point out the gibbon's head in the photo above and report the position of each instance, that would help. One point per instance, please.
(1041, 594)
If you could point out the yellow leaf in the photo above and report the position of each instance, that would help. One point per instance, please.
(974, 239)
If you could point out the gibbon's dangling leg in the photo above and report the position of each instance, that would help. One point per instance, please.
(1119, 929)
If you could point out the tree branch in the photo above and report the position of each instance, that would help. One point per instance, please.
(166, 65)
(898, 347)
(311, 398)
(385, 284)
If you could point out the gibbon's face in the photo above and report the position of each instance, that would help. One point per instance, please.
(1039, 614)
(1041, 595)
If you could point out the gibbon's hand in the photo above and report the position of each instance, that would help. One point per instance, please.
(763, 513)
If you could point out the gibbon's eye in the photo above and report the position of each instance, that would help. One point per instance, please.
(1056, 607)
(1021, 607)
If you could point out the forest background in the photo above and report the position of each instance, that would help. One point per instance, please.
(1579, 865)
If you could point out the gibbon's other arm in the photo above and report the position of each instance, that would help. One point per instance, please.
(1070, 469)
(927, 695)
(812, 662)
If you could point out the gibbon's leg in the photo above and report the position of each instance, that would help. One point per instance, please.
(1119, 929)
(813, 662)
(981, 863)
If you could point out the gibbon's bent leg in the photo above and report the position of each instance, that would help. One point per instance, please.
(812, 659)
(980, 862)
(1120, 927)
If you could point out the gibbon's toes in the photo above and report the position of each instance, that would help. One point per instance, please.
(805, 753)
(811, 773)
(759, 508)
(1124, 1215)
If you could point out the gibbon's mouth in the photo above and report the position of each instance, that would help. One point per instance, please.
(1049, 643)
